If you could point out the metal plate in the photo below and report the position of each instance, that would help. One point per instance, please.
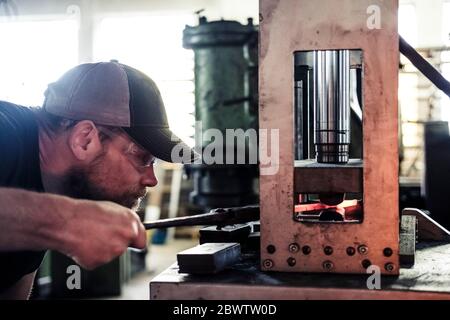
(288, 26)
(208, 258)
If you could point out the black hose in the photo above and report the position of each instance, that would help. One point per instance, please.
(425, 67)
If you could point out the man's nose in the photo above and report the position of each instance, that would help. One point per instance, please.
(148, 178)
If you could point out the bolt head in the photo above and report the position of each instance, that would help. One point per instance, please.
(291, 261)
(351, 251)
(387, 252)
(366, 263)
(328, 250)
(268, 264)
(389, 267)
(363, 249)
(271, 249)
(328, 265)
(306, 250)
(293, 247)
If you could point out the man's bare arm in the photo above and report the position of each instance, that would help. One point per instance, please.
(90, 232)
(30, 220)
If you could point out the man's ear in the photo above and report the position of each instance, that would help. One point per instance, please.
(84, 141)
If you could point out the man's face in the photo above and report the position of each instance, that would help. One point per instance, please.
(121, 173)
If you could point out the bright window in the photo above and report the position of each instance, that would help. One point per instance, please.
(446, 23)
(409, 94)
(407, 23)
(153, 44)
(33, 54)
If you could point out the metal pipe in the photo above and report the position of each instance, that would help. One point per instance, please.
(303, 87)
(332, 106)
(302, 110)
(219, 217)
(424, 67)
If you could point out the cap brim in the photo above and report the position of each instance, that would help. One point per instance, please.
(163, 144)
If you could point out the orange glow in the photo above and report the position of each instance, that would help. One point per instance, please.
(320, 206)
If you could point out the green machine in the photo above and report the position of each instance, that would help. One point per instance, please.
(226, 102)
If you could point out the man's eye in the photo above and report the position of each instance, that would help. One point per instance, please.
(140, 157)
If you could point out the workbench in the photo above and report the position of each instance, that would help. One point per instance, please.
(429, 278)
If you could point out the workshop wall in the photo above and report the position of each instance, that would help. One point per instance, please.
(430, 22)
(426, 26)
(91, 11)
(100, 30)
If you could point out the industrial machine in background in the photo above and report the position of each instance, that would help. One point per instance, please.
(226, 97)
(437, 173)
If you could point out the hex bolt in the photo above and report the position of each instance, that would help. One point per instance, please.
(291, 261)
(328, 265)
(306, 250)
(387, 252)
(389, 267)
(268, 264)
(271, 249)
(363, 249)
(366, 263)
(350, 251)
(293, 248)
(328, 250)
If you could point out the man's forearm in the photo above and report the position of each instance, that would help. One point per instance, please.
(31, 220)
(90, 232)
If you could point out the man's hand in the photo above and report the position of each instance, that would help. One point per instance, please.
(98, 231)
(91, 232)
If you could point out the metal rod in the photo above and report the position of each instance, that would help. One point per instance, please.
(424, 67)
(332, 105)
(220, 217)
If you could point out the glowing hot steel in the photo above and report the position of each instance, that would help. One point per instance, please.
(320, 206)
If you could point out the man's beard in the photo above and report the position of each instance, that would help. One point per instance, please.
(82, 183)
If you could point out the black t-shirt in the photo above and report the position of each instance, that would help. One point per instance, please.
(19, 168)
